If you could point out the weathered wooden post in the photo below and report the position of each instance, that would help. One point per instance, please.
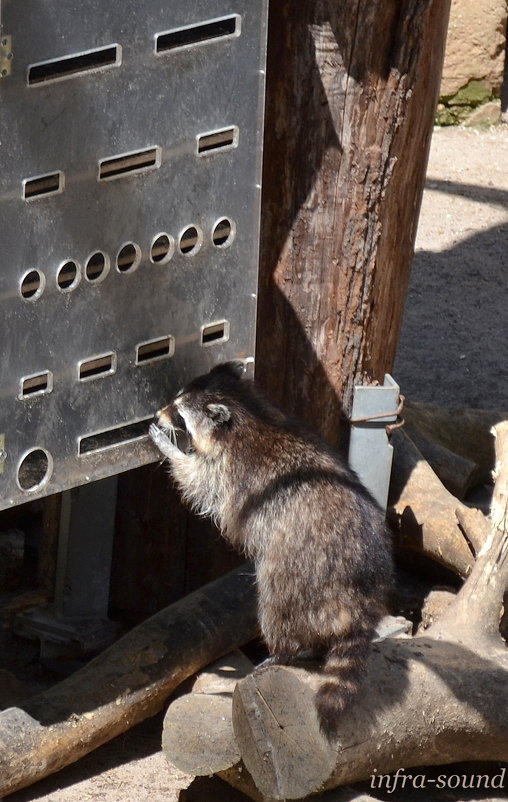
(351, 94)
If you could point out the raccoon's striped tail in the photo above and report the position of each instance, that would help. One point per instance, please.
(345, 665)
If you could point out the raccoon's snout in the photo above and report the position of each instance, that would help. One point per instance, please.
(170, 417)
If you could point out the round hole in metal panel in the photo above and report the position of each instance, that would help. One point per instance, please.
(190, 241)
(223, 233)
(162, 249)
(128, 258)
(35, 469)
(32, 285)
(97, 267)
(68, 276)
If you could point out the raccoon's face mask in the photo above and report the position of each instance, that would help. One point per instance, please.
(199, 420)
(200, 409)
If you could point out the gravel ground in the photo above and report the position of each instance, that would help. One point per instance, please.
(452, 351)
(453, 346)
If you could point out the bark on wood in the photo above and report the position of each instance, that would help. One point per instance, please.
(423, 511)
(463, 431)
(441, 697)
(351, 94)
(198, 733)
(127, 683)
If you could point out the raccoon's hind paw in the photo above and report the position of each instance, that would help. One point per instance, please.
(162, 440)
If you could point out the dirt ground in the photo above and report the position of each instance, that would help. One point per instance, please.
(452, 351)
(454, 339)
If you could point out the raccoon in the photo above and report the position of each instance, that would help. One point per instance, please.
(280, 494)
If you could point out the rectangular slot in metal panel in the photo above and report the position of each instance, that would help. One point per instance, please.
(37, 384)
(98, 366)
(43, 185)
(154, 350)
(75, 64)
(215, 333)
(117, 436)
(211, 30)
(137, 162)
(225, 139)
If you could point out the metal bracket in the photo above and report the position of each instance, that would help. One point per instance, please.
(6, 56)
(370, 452)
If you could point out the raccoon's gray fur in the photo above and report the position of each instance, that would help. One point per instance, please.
(280, 494)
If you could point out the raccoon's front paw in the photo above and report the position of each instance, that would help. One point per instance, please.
(161, 440)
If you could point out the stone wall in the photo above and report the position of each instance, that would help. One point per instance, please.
(474, 61)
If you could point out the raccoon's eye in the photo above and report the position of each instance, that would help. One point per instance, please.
(177, 420)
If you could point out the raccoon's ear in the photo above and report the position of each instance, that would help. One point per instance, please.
(219, 413)
(236, 368)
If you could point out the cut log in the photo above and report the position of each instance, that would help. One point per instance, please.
(424, 702)
(467, 432)
(198, 733)
(221, 676)
(277, 729)
(422, 511)
(127, 683)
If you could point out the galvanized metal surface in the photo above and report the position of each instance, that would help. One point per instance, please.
(130, 154)
(370, 451)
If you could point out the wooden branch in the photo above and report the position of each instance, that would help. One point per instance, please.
(467, 432)
(456, 473)
(127, 683)
(424, 702)
(475, 526)
(423, 511)
(477, 609)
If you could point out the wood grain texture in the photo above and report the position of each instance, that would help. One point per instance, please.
(351, 92)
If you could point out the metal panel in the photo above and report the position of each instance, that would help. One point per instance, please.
(130, 153)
